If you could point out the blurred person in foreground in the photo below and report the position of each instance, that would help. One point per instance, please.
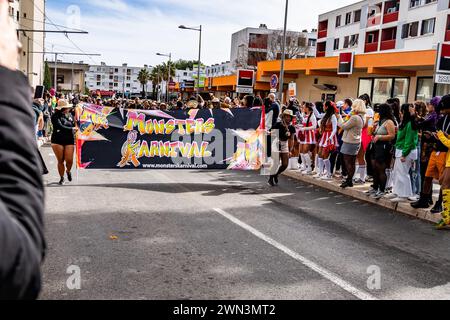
(22, 242)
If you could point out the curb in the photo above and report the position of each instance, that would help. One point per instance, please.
(358, 193)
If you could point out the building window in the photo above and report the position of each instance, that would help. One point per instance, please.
(428, 26)
(410, 30)
(312, 42)
(382, 89)
(357, 16)
(425, 88)
(348, 18)
(336, 44)
(338, 21)
(258, 41)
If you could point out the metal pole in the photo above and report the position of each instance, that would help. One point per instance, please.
(71, 83)
(199, 58)
(56, 73)
(28, 59)
(281, 91)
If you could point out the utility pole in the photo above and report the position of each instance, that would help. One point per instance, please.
(71, 83)
(283, 55)
(199, 29)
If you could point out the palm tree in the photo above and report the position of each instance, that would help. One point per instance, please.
(165, 71)
(156, 78)
(144, 78)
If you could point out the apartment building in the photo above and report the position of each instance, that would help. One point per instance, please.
(120, 79)
(372, 26)
(29, 15)
(252, 45)
(219, 70)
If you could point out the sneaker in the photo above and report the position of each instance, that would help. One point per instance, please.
(391, 196)
(318, 176)
(378, 195)
(371, 192)
(414, 198)
(69, 176)
(358, 181)
(399, 199)
(275, 179)
(61, 181)
(326, 177)
(271, 182)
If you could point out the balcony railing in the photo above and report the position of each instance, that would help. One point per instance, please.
(322, 34)
(447, 35)
(390, 17)
(373, 21)
(371, 47)
(320, 54)
(387, 44)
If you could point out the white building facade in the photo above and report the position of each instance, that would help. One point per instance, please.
(372, 26)
(29, 15)
(251, 45)
(120, 79)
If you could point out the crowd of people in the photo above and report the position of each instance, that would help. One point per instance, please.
(401, 149)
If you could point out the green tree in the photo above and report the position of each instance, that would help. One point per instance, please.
(185, 64)
(144, 78)
(47, 77)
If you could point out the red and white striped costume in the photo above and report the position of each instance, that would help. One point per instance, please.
(329, 131)
(308, 129)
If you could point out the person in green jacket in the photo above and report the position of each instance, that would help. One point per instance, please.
(405, 155)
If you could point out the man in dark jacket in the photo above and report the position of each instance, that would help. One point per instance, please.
(22, 242)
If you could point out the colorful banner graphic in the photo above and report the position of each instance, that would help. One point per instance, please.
(111, 138)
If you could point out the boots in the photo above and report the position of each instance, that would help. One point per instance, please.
(423, 203)
(438, 206)
(445, 222)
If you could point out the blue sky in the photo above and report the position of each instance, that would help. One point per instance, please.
(133, 31)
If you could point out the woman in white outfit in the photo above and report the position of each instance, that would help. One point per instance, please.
(405, 155)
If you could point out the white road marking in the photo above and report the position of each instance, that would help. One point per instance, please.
(306, 262)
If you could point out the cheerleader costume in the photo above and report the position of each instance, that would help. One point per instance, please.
(308, 130)
(329, 136)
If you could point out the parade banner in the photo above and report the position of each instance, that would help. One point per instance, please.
(111, 138)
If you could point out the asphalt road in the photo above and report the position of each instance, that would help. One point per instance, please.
(227, 235)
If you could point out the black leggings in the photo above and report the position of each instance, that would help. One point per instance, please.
(379, 173)
(350, 166)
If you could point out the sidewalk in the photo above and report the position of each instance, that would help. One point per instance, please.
(358, 193)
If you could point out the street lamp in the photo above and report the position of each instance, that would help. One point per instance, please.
(168, 67)
(199, 29)
(283, 53)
